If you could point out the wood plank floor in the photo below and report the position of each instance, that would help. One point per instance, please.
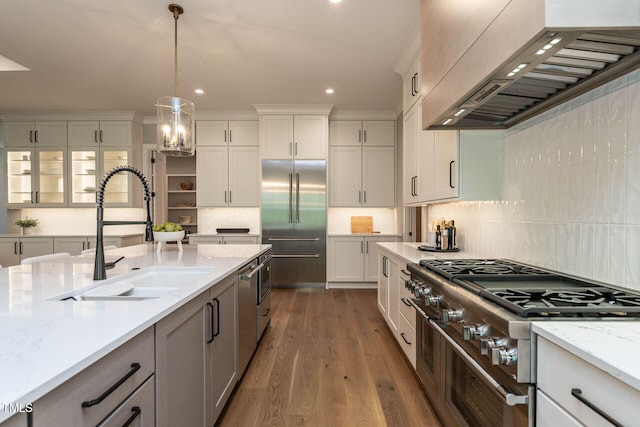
(328, 360)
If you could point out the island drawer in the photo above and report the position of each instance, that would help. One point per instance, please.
(91, 395)
(562, 376)
(138, 410)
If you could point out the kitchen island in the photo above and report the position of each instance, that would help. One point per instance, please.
(46, 342)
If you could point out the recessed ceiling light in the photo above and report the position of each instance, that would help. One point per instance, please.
(199, 91)
(335, 1)
(329, 91)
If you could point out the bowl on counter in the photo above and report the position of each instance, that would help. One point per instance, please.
(162, 237)
(186, 185)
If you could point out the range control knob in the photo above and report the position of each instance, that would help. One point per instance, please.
(410, 284)
(504, 356)
(431, 300)
(486, 344)
(452, 316)
(422, 291)
(474, 332)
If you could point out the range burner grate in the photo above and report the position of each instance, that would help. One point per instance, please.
(460, 268)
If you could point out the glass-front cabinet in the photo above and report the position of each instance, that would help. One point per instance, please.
(36, 177)
(88, 167)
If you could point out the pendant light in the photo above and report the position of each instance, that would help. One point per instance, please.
(175, 121)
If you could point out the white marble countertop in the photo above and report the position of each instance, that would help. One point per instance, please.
(363, 235)
(45, 342)
(222, 234)
(106, 234)
(410, 253)
(612, 346)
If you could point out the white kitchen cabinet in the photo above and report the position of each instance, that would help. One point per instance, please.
(224, 239)
(356, 132)
(76, 244)
(550, 414)
(36, 176)
(294, 136)
(83, 401)
(227, 132)
(181, 365)
(361, 176)
(560, 373)
(388, 274)
(222, 350)
(30, 133)
(19, 419)
(411, 84)
(180, 202)
(354, 258)
(138, 410)
(111, 133)
(407, 339)
(15, 249)
(228, 176)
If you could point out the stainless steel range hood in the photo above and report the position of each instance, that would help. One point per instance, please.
(528, 56)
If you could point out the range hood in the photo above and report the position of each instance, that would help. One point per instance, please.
(532, 55)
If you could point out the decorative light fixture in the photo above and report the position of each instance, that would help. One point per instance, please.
(175, 121)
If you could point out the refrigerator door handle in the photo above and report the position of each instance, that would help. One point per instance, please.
(293, 239)
(290, 198)
(298, 198)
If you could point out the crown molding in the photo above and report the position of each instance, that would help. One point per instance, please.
(363, 115)
(71, 115)
(293, 108)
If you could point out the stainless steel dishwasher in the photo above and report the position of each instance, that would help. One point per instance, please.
(247, 315)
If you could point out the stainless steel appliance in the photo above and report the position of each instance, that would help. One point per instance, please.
(294, 221)
(474, 349)
(263, 310)
(247, 314)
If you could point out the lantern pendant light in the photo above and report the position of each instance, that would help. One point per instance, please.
(175, 121)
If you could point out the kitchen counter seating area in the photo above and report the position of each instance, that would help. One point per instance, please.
(47, 342)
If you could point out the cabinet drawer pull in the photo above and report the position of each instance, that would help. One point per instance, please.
(404, 338)
(35, 137)
(100, 135)
(405, 302)
(95, 136)
(15, 248)
(266, 312)
(451, 173)
(136, 412)
(210, 340)
(88, 403)
(577, 393)
(30, 136)
(225, 135)
(360, 136)
(21, 253)
(217, 317)
(230, 140)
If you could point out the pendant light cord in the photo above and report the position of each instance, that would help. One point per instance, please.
(176, 15)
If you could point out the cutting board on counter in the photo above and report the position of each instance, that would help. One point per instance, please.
(361, 224)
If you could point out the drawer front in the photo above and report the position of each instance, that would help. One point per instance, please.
(138, 410)
(64, 404)
(549, 414)
(560, 371)
(407, 309)
(407, 339)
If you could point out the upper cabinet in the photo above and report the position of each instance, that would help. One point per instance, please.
(294, 136)
(411, 84)
(368, 132)
(45, 133)
(227, 132)
(60, 163)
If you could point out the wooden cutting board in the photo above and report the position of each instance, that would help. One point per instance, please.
(361, 224)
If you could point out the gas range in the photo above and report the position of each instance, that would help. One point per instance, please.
(478, 312)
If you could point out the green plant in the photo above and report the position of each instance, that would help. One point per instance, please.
(27, 222)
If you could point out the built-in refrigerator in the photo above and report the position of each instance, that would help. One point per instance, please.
(294, 221)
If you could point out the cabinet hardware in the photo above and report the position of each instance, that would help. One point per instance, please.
(217, 317)
(88, 403)
(366, 247)
(364, 197)
(230, 137)
(295, 152)
(384, 266)
(404, 338)
(210, 340)
(577, 393)
(361, 247)
(451, 173)
(414, 84)
(136, 412)
(405, 302)
(101, 136)
(95, 136)
(359, 135)
(35, 139)
(230, 197)
(365, 135)
(21, 253)
(266, 312)
(225, 197)
(405, 272)
(30, 136)
(37, 197)
(291, 148)
(15, 248)
(359, 196)
(225, 135)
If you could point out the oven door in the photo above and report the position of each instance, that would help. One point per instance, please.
(471, 395)
(264, 282)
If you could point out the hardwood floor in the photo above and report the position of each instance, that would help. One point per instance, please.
(328, 360)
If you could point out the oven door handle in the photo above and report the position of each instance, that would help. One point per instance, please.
(510, 398)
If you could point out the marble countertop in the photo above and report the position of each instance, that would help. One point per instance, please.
(410, 253)
(45, 342)
(106, 234)
(612, 346)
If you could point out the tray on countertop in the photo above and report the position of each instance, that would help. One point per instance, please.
(232, 230)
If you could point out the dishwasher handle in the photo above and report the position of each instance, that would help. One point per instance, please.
(255, 270)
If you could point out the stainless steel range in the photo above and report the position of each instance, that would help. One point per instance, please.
(474, 352)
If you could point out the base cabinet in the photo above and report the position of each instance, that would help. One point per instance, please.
(196, 358)
(138, 410)
(83, 401)
(354, 259)
(15, 249)
(224, 240)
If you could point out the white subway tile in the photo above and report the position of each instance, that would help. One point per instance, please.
(632, 266)
(617, 245)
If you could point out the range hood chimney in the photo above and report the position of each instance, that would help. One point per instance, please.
(495, 63)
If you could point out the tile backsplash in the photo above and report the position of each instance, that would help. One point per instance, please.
(571, 197)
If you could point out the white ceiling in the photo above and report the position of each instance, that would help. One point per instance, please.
(118, 54)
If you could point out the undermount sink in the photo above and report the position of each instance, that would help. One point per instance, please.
(151, 282)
